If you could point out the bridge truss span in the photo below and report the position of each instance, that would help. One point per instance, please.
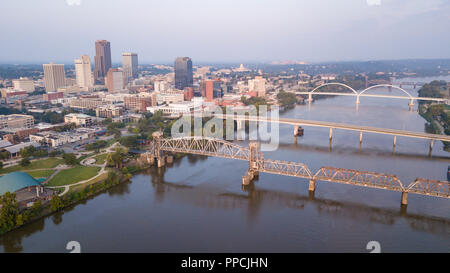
(360, 178)
(430, 187)
(205, 146)
(284, 168)
(257, 163)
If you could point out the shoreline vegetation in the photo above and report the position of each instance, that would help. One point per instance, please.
(436, 115)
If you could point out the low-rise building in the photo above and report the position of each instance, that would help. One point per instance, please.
(109, 111)
(176, 109)
(85, 103)
(78, 119)
(138, 102)
(16, 121)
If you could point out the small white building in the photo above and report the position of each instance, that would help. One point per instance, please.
(176, 109)
(78, 119)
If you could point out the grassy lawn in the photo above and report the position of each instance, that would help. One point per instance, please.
(74, 175)
(48, 163)
(100, 159)
(41, 173)
(92, 181)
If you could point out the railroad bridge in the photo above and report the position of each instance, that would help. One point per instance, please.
(258, 164)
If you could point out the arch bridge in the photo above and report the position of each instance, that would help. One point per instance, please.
(257, 163)
(362, 93)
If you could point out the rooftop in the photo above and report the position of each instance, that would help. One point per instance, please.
(15, 181)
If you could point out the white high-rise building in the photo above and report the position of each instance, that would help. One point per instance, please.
(54, 77)
(161, 86)
(257, 85)
(23, 84)
(83, 72)
(129, 66)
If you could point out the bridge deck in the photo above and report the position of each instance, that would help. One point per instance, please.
(221, 148)
(334, 125)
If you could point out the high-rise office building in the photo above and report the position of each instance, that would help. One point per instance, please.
(54, 77)
(183, 72)
(211, 89)
(129, 66)
(114, 80)
(102, 60)
(83, 72)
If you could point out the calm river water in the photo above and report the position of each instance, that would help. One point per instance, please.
(198, 205)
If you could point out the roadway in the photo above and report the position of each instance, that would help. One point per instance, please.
(335, 125)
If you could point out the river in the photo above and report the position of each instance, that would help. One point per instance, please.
(198, 204)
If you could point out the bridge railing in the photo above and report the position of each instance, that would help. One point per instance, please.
(360, 178)
(430, 187)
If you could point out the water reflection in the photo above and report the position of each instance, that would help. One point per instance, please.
(253, 200)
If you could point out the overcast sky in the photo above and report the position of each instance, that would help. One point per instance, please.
(225, 30)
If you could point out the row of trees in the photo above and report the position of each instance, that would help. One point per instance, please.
(11, 216)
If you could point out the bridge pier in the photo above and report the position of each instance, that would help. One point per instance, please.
(331, 134)
(360, 137)
(298, 131)
(310, 99)
(240, 129)
(357, 100)
(431, 147)
(312, 185)
(169, 159)
(161, 161)
(404, 198)
(411, 105)
(252, 172)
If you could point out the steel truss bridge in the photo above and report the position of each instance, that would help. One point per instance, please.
(257, 163)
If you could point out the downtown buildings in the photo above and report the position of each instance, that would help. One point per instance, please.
(54, 77)
(183, 72)
(83, 73)
(102, 60)
(129, 66)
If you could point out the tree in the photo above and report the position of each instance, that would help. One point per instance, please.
(70, 159)
(116, 158)
(24, 162)
(56, 203)
(1, 164)
(8, 212)
(129, 141)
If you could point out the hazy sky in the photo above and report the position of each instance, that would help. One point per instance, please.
(225, 30)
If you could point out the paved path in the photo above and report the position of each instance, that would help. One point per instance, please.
(83, 162)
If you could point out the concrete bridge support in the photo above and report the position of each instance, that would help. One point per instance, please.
(161, 161)
(169, 159)
(404, 198)
(298, 131)
(331, 134)
(240, 124)
(310, 99)
(312, 185)
(252, 172)
(431, 147)
(357, 99)
(411, 105)
(360, 138)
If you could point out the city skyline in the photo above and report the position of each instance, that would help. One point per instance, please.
(354, 30)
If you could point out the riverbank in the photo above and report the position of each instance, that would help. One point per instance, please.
(74, 197)
(433, 126)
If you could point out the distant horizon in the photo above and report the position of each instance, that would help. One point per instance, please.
(170, 63)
